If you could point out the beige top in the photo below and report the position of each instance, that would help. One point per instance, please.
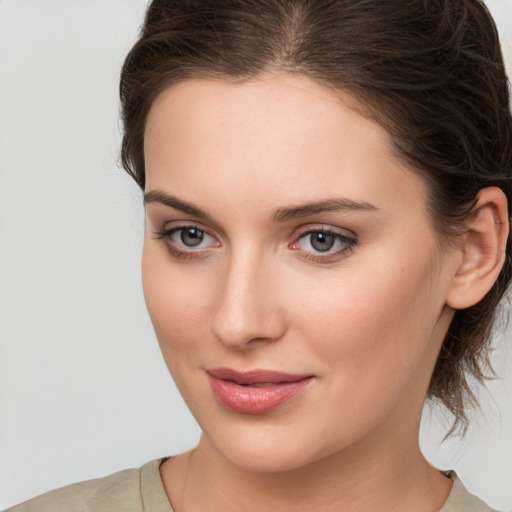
(142, 490)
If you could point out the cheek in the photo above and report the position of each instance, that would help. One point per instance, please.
(373, 322)
(371, 335)
(177, 302)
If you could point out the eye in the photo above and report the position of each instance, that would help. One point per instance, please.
(191, 237)
(323, 243)
(187, 241)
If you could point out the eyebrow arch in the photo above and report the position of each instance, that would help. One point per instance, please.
(329, 205)
(280, 215)
(157, 196)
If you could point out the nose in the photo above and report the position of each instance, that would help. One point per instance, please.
(247, 308)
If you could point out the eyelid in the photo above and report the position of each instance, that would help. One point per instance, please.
(323, 228)
(343, 236)
(349, 237)
(161, 215)
(182, 251)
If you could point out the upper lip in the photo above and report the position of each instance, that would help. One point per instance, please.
(256, 376)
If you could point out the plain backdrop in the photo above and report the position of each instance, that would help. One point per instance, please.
(84, 391)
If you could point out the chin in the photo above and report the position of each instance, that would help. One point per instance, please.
(265, 450)
(261, 460)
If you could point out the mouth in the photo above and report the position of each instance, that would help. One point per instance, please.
(255, 391)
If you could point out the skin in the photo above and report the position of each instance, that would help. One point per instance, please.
(366, 320)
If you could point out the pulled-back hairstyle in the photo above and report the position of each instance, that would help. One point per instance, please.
(429, 71)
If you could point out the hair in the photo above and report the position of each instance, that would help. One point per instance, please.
(429, 71)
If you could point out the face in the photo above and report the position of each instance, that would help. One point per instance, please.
(290, 269)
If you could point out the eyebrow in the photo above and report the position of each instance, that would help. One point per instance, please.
(329, 205)
(280, 215)
(157, 196)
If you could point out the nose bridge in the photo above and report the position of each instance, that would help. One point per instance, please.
(246, 308)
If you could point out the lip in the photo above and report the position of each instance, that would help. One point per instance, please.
(255, 391)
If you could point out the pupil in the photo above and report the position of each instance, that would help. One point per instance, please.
(322, 241)
(192, 236)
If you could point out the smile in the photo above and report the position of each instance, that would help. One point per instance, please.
(257, 391)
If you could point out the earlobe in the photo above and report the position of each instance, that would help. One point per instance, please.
(483, 249)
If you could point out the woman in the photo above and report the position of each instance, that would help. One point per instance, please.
(328, 189)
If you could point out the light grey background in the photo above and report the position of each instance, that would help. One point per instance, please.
(84, 391)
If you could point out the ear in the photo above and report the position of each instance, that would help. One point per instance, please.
(483, 249)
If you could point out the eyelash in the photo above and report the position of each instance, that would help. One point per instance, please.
(348, 242)
(166, 237)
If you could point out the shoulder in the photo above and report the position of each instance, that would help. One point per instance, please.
(461, 499)
(129, 490)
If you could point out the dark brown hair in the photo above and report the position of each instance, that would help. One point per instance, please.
(430, 71)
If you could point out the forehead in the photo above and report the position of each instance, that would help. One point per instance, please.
(282, 102)
(260, 137)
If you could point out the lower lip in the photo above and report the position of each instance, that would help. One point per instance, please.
(255, 400)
